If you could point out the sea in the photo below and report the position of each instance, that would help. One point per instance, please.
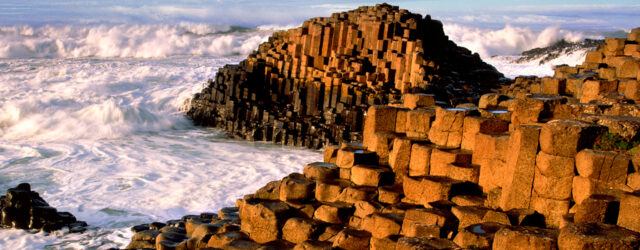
(92, 110)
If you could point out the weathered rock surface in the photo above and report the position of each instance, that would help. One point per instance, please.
(23, 208)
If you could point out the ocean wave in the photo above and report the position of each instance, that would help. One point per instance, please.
(128, 41)
(67, 99)
(512, 67)
(510, 40)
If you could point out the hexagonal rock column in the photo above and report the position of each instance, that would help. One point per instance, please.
(567, 137)
(519, 170)
(629, 207)
(263, 220)
(478, 235)
(525, 238)
(447, 129)
(597, 236)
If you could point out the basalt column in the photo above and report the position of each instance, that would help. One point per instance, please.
(311, 86)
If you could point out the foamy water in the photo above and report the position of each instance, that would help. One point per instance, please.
(104, 138)
(91, 117)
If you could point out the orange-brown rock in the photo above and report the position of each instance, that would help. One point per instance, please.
(490, 154)
(390, 194)
(628, 214)
(313, 245)
(597, 208)
(379, 119)
(468, 200)
(413, 101)
(401, 120)
(381, 143)
(321, 171)
(469, 215)
(385, 225)
(567, 137)
(353, 194)
(552, 209)
(333, 213)
(429, 216)
(440, 158)
(351, 239)
(371, 175)
(221, 239)
(348, 157)
(525, 238)
(263, 220)
(329, 190)
(474, 125)
(420, 162)
(597, 236)
(384, 243)
(584, 187)
(399, 157)
(551, 187)
(419, 122)
(364, 208)
(298, 230)
(447, 128)
(409, 243)
(519, 169)
(604, 166)
(330, 154)
(477, 236)
(296, 188)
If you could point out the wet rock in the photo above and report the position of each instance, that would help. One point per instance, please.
(23, 208)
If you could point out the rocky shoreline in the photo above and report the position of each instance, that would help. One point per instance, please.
(544, 163)
(425, 146)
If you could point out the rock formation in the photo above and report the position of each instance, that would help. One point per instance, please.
(311, 86)
(25, 209)
(524, 169)
(560, 48)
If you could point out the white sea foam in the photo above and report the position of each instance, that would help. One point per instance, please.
(138, 41)
(510, 68)
(501, 47)
(510, 40)
(104, 139)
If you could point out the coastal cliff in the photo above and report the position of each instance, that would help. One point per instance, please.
(311, 86)
(543, 163)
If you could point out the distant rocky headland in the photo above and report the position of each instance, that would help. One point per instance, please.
(311, 86)
(562, 47)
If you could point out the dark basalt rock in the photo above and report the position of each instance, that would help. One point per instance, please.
(311, 86)
(25, 209)
(562, 47)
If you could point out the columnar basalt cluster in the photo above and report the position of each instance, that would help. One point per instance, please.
(517, 171)
(311, 86)
(25, 209)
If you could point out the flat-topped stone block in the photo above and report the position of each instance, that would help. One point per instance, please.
(597, 236)
(447, 128)
(518, 237)
(567, 137)
(321, 171)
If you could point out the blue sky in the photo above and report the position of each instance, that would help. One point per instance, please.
(581, 15)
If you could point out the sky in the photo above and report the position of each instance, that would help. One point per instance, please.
(579, 15)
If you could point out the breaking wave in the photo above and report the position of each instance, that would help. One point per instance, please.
(128, 41)
(510, 40)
